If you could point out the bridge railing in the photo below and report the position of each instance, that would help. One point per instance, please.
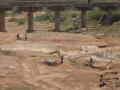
(36, 3)
(44, 3)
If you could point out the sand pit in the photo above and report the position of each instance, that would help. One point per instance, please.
(27, 69)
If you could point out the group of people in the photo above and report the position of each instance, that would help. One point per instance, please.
(50, 62)
(105, 80)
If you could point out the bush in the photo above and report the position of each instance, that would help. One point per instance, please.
(10, 13)
(12, 20)
(7, 52)
(45, 17)
(20, 21)
(48, 17)
(104, 17)
(63, 18)
(97, 14)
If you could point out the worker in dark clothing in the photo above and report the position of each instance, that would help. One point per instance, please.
(91, 63)
(25, 37)
(49, 62)
(117, 84)
(59, 54)
(62, 59)
(18, 37)
(102, 82)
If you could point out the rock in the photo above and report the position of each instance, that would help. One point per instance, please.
(103, 45)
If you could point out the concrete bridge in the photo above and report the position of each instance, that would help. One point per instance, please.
(57, 6)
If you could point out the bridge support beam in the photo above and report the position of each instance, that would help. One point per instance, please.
(83, 19)
(2, 20)
(30, 22)
(57, 21)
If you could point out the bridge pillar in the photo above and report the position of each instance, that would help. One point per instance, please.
(83, 19)
(30, 22)
(57, 21)
(2, 20)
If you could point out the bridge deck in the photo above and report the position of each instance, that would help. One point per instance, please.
(59, 3)
(80, 4)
